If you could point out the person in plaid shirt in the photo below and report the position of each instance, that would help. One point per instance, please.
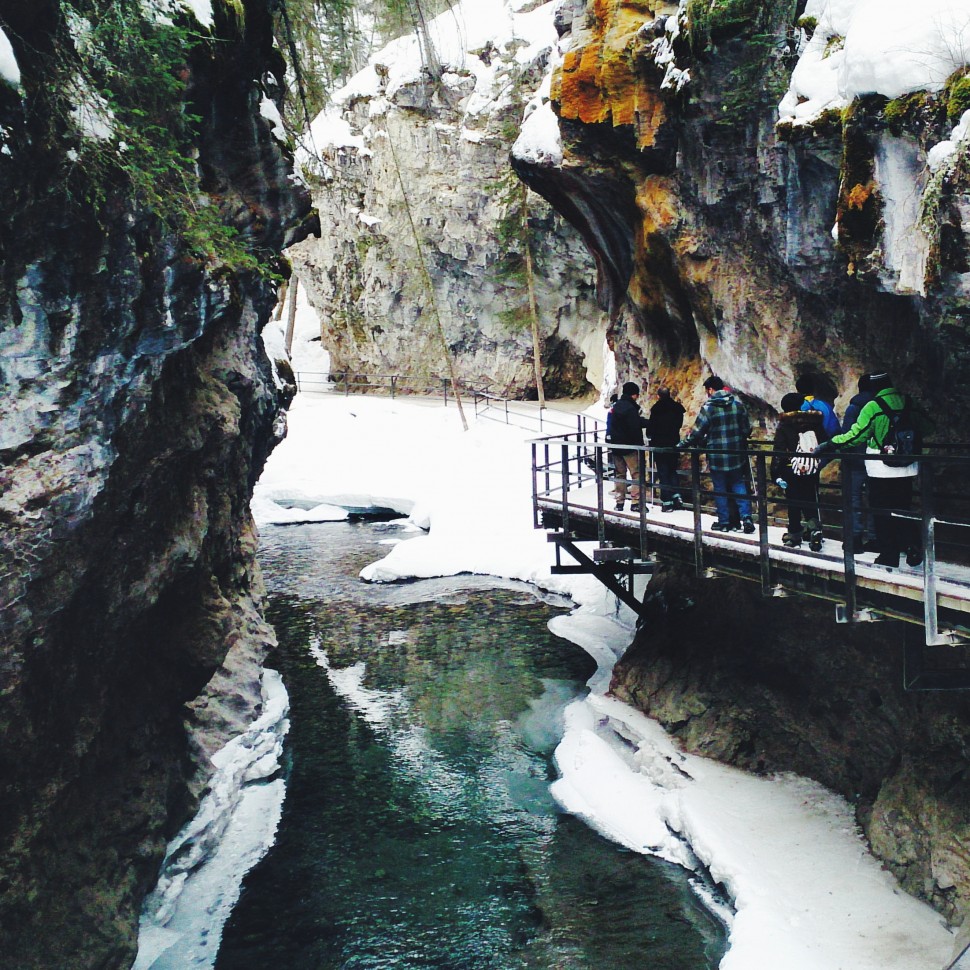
(722, 427)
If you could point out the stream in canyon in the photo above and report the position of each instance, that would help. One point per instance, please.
(418, 829)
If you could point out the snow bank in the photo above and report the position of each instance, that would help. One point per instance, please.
(9, 69)
(182, 920)
(886, 47)
(482, 41)
(808, 895)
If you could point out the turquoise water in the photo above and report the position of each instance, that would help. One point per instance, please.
(418, 830)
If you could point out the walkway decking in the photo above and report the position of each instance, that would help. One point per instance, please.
(573, 500)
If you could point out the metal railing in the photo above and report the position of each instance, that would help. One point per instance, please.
(487, 406)
(529, 415)
(564, 465)
(345, 382)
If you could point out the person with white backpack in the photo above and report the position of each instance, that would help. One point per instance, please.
(796, 472)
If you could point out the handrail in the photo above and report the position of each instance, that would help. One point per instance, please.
(485, 402)
(567, 474)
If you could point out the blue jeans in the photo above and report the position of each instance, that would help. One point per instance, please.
(733, 482)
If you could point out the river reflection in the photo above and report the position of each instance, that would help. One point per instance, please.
(418, 829)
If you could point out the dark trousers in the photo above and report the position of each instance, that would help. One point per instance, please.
(667, 463)
(893, 535)
(802, 499)
(857, 490)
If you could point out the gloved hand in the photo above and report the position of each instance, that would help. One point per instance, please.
(824, 448)
(781, 483)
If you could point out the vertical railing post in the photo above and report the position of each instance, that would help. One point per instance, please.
(565, 488)
(444, 389)
(346, 383)
(848, 472)
(548, 471)
(535, 487)
(642, 476)
(927, 500)
(393, 385)
(764, 554)
(695, 478)
(600, 512)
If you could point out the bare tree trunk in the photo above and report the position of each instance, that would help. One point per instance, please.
(429, 288)
(533, 309)
(278, 315)
(291, 315)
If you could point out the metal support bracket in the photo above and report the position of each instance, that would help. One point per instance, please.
(842, 615)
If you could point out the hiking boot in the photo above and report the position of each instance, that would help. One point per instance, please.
(815, 540)
(667, 507)
(792, 539)
(635, 507)
(914, 556)
(887, 559)
(618, 507)
(678, 503)
(747, 526)
(721, 527)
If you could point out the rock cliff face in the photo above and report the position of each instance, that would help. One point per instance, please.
(727, 242)
(137, 409)
(401, 156)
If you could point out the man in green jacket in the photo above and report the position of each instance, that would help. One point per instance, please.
(890, 487)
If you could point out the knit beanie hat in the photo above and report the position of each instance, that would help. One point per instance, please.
(879, 382)
(630, 389)
(791, 402)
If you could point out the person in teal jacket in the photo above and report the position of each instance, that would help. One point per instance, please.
(890, 488)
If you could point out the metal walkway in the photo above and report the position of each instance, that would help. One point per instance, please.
(572, 497)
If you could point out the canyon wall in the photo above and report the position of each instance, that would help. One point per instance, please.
(731, 239)
(137, 410)
(410, 172)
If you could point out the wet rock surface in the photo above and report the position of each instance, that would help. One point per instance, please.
(137, 410)
(774, 685)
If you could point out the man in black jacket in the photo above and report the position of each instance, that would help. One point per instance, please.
(666, 419)
(626, 428)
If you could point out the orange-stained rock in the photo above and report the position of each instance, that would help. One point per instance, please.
(599, 80)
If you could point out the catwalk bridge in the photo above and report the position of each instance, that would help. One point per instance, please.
(572, 499)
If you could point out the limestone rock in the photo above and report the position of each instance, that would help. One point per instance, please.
(431, 159)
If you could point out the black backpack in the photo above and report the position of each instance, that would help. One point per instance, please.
(903, 442)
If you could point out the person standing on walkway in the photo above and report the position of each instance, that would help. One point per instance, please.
(723, 427)
(856, 488)
(890, 485)
(666, 420)
(627, 424)
(795, 472)
(805, 386)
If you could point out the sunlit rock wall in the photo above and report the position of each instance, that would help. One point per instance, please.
(136, 412)
(430, 160)
(726, 242)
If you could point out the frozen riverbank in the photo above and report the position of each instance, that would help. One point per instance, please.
(807, 893)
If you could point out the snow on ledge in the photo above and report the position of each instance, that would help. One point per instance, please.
(9, 69)
(886, 47)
